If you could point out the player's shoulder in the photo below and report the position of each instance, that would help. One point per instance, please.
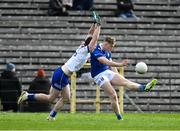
(96, 50)
(82, 48)
(98, 47)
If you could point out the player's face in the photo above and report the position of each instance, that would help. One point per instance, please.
(108, 46)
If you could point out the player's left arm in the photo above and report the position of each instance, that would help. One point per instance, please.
(95, 38)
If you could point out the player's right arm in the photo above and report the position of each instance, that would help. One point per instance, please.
(94, 31)
(114, 69)
(104, 60)
(95, 38)
(90, 34)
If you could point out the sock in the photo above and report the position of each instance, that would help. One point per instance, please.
(53, 113)
(119, 117)
(31, 97)
(142, 87)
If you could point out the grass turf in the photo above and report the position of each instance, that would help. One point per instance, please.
(89, 121)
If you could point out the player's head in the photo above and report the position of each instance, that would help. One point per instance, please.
(109, 43)
(87, 40)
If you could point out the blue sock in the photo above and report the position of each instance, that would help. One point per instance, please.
(31, 97)
(142, 87)
(53, 113)
(119, 117)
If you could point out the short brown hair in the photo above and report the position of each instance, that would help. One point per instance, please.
(110, 40)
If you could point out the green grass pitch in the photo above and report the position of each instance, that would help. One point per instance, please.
(89, 121)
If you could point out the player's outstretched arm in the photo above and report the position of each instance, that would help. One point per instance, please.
(104, 60)
(90, 33)
(92, 29)
(95, 38)
(97, 21)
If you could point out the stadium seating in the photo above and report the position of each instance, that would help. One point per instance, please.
(31, 39)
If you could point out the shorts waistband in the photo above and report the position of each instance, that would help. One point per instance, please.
(66, 71)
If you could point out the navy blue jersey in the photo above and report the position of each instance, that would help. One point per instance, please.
(96, 66)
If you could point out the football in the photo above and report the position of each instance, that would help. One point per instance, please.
(141, 68)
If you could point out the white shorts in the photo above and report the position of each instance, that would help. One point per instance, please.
(104, 77)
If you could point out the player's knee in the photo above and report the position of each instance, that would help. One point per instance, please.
(66, 99)
(51, 99)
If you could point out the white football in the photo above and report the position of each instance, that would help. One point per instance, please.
(141, 68)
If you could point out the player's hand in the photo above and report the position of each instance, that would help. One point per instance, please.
(125, 62)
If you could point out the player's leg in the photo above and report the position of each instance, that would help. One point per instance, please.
(53, 94)
(59, 80)
(65, 97)
(103, 80)
(110, 91)
(119, 80)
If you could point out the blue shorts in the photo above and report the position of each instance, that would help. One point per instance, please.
(59, 79)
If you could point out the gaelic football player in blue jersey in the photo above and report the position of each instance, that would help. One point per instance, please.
(105, 74)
